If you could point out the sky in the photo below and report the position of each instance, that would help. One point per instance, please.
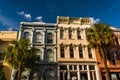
(12, 12)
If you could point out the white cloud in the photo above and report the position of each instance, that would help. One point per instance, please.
(95, 21)
(25, 15)
(21, 13)
(8, 23)
(39, 18)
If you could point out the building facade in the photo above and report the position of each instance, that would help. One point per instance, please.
(43, 37)
(76, 61)
(5, 38)
(113, 59)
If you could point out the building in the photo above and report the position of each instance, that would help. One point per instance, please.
(76, 61)
(43, 37)
(113, 59)
(5, 38)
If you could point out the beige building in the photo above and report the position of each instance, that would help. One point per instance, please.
(5, 38)
(76, 61)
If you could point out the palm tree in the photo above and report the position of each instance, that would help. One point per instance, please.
(101, 37)
(20, 54)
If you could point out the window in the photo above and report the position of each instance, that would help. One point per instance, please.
(50, 56)
(49, 38)
(62, 52)
(61, 33)
(90, 53)
(49, 75)
(93, 76)
(113, 58)
(70, 34)
(70, 67)
(78, 34)
(71, 52)
(27, 35)
(80, 52)
(91, 67)
(38, 55)
(83, 76)
(75, 67)
(38, 37)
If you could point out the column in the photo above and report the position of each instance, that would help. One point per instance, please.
(68, 73)
(88, 72)
(78, 72)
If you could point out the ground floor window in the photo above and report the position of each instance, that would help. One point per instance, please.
(83, 76)
(77, 72)
(115, 76)
(49, 75)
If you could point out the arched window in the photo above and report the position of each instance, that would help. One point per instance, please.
(35, 75)
(27, 35)
(38, 55)
(49, 38)
(38, 37)
(50, 56)
(49, 75)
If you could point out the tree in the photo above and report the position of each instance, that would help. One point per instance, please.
(101, 37)
(21, 54)
(2, 76)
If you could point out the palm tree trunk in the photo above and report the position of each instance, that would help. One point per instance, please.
(19, 71)
(105, 64)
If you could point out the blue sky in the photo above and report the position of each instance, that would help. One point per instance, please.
(12, 12)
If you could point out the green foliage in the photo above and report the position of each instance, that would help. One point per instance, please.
(2, 77)
(100, 35)
(20, 54)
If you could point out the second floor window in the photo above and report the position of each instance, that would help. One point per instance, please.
(50, 56)
(78, 34)
(71, 52)
(49, 38)
(70, 34)
(80, 52)
(38, 55)
(38, 37)
(61, 33)
(27, 35)
(62, 53)
(90, 53)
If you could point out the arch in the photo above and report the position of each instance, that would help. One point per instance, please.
(27, 35)
(38, 37)
(38, 55)
(50, 55)
(49, 75)
(35, 75)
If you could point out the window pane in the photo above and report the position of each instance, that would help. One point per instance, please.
(62, 52)
(38, 37)
(61, 34)
(70, 34)
(83, 76)
(50, 57)
(71, 52)
(49, 38)
(90, 53)
(78, 34)
(80, 52)
(27, 35)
